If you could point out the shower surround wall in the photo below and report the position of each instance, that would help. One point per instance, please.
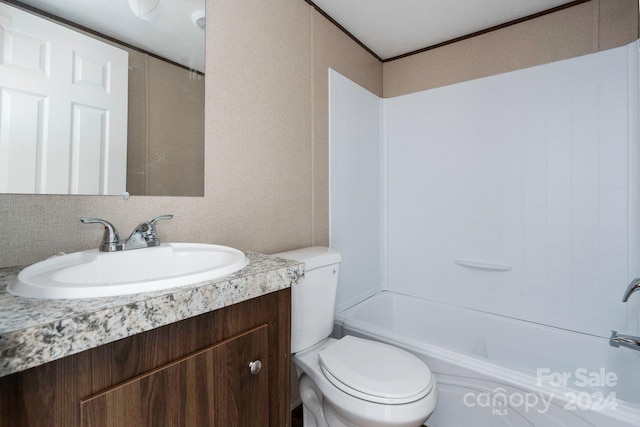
(356, 188)
(534, 171)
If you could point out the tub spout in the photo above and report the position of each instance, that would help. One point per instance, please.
(633, 286)
(624, 340)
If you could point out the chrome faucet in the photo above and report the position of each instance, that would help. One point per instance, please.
(633, 287)
(144, 235)
(629, 341)
(617, 340)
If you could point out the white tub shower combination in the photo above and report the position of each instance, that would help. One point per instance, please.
(504, 215)
(495, 371)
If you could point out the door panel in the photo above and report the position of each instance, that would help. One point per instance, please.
(62, 70)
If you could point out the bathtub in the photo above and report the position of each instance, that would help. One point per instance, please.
(498, 371)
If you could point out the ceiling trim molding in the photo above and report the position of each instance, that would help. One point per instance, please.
(457, 39)
(344, 30)
(490, 29)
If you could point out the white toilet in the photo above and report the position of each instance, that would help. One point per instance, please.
(349, 382)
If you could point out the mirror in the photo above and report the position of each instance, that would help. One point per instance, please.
(164, 78)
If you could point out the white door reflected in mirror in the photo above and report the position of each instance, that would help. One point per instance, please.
(63, 103)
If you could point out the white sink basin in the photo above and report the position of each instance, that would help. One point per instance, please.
(91, 274)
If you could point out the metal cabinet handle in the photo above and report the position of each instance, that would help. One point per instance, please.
(255, 366)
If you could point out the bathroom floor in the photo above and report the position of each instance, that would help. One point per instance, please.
(296, 416)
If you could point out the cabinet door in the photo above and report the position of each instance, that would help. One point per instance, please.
(213, 387)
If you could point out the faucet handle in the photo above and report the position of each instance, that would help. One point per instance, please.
(110, 238)
(155, 220)
(151, 234)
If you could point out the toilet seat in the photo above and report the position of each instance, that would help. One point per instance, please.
(375, 372)
(356, 410)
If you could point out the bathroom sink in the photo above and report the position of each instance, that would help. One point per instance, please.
(90, 274)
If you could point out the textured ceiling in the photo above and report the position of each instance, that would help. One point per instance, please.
(387, 27)
(395, 27)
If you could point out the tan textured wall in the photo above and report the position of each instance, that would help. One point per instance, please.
(261, 166)
(175, 163)
(137, 129)
(165, 154)
(579, 30)
(258, 124)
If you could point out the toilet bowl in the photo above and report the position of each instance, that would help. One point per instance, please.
(400, 391)
(349, 382)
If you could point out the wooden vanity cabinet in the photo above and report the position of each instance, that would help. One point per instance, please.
(197, 372)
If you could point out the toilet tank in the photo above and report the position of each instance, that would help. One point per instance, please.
(313, 298)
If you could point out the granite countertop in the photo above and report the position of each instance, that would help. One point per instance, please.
(37, 331)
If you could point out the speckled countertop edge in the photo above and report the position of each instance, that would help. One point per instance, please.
(37, 331)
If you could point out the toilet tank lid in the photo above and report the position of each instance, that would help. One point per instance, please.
(313, 257)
